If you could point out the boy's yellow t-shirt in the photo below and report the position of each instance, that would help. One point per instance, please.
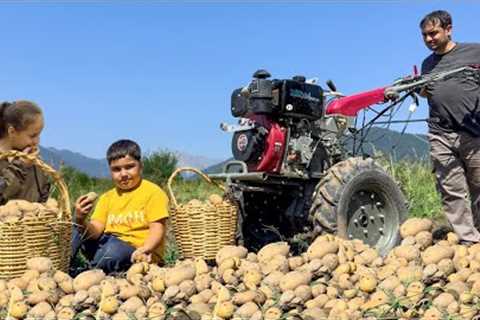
(127, 214)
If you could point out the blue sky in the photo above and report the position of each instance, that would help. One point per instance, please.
(161, 73)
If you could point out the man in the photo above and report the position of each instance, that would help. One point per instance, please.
(454, 125)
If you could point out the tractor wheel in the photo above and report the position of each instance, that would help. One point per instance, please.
(357, 199)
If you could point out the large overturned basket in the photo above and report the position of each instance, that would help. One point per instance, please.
(201, 229)
(46, 234)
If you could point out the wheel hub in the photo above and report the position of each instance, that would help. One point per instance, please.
(367, 222)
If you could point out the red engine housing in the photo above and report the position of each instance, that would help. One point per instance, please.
(271, 158)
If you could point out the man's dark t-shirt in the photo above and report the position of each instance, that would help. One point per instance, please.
(454, 102)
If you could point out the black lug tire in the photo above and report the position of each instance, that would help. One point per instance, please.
(341, 204)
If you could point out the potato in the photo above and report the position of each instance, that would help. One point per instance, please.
(19, 283)
(317, 302)
(128, 291)
(330, 261)
(131, 305)
(443, 300)
(66, 313)
(229, 277)
(15, 294)
(91, 196)
(252, 279)
(80, 296)
(30, 275)
(171, 292)
(141, 313)
(60, 276)
(294, 279)
(314, 314)
(229, 263)
(67, 286)
(320, 248)
(66, 301)
(158, 284)
(194, 203)
(241, 298)
(413, 226)
(187, 287)
(179, 274)
(295, 262)
(156, 311)
(199, 308)
(277, 263)
(367, 283)
(350, 293)
(247, 310)
(40, 264)
(224, 309)
(378, 298)
(432, 313)
(423, 239)
(408, 252)
(109, 305)
(121, 315)
(229, 252)
(40, 310)
(18, 310)
(436, 253)
(87, 279)
(271, 250)
(409, 273)
(446, 267)
(304, 292)
(201, 266)
(318, 289)
(95, 293)
(47, 284)
(273, 279)
(37, 297)
(273, 313)
(215, 199)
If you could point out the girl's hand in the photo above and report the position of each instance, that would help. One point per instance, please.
(140, 255)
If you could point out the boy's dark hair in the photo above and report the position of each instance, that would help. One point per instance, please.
(441, 17)
(18, 114)
(123, 148)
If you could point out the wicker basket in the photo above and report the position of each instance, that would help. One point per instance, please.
(48, 235)
(201, 230)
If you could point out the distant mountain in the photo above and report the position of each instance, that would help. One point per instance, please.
(389, 142)
(90, 166)
(99, 168)
(396, 145)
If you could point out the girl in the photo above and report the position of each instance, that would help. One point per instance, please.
(21, 123)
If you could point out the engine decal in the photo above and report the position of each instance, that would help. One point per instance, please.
(242, 142)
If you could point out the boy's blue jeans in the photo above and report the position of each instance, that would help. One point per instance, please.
(107, 253)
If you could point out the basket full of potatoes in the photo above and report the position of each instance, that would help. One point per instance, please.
(29, 230)
(202, 228)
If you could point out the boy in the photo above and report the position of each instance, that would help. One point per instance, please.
(128, 223)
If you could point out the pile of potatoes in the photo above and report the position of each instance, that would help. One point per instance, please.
(333, 279)
(16, 210)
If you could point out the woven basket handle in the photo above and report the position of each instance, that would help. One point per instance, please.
(64, 203)
(177, 171)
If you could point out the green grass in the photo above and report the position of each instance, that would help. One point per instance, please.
(418, 185)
